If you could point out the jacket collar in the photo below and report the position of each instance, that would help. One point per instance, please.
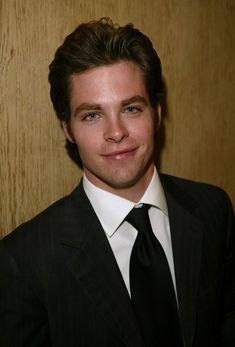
(94, 265)
(187, 238)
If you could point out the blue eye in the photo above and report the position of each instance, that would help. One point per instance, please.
(90, 116)
(132, 109)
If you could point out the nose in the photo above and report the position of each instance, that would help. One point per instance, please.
(116, 130)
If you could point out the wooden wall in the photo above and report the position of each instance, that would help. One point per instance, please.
(196, 43)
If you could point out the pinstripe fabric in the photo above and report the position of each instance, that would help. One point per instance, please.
(56, 288)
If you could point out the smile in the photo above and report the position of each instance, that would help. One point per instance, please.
(121, 155)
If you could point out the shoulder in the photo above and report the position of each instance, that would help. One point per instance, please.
(205, 200)
(45, 228)
(52, 215)
(206, 206)
(196, 190)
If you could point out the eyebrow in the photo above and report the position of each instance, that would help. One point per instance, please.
(136, 98)
(86, 106)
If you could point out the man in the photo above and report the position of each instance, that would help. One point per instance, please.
(83, 272)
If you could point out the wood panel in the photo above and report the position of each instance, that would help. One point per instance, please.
(196, 42)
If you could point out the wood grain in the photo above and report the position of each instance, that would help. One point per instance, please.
(196, 43)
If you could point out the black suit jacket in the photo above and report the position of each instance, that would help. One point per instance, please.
(60, 284)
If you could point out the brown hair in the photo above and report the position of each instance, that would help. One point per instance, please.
(100, 43)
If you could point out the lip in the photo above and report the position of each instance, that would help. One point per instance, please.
(121, 154)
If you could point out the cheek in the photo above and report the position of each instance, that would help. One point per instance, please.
(145, 132)
(87, 144)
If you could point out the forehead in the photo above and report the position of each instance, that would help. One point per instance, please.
(121, 80)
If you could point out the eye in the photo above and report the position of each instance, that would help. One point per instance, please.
(132, 109)
(90, 116)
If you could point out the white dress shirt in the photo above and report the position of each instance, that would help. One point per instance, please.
(112, 211)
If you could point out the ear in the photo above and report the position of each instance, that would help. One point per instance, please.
(67, 131)
(158, 115)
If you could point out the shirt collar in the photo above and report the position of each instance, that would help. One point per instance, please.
(111, 209)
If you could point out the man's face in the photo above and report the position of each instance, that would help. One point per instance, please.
(112, 125)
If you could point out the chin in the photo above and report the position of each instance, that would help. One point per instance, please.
(124, 182)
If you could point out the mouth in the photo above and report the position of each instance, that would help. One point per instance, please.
(121, 154)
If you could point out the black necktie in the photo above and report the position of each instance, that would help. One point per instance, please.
(152, 290)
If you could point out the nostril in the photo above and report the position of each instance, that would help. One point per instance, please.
(116, 132)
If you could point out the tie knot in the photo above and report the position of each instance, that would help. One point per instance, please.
(139, 218)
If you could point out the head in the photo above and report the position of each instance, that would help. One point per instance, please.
(96, 44)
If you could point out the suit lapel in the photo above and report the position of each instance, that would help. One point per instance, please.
(91, 261)
(187, 234)
(94, 265)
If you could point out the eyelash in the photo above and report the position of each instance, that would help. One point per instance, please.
(133, 109)
(93, 115)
